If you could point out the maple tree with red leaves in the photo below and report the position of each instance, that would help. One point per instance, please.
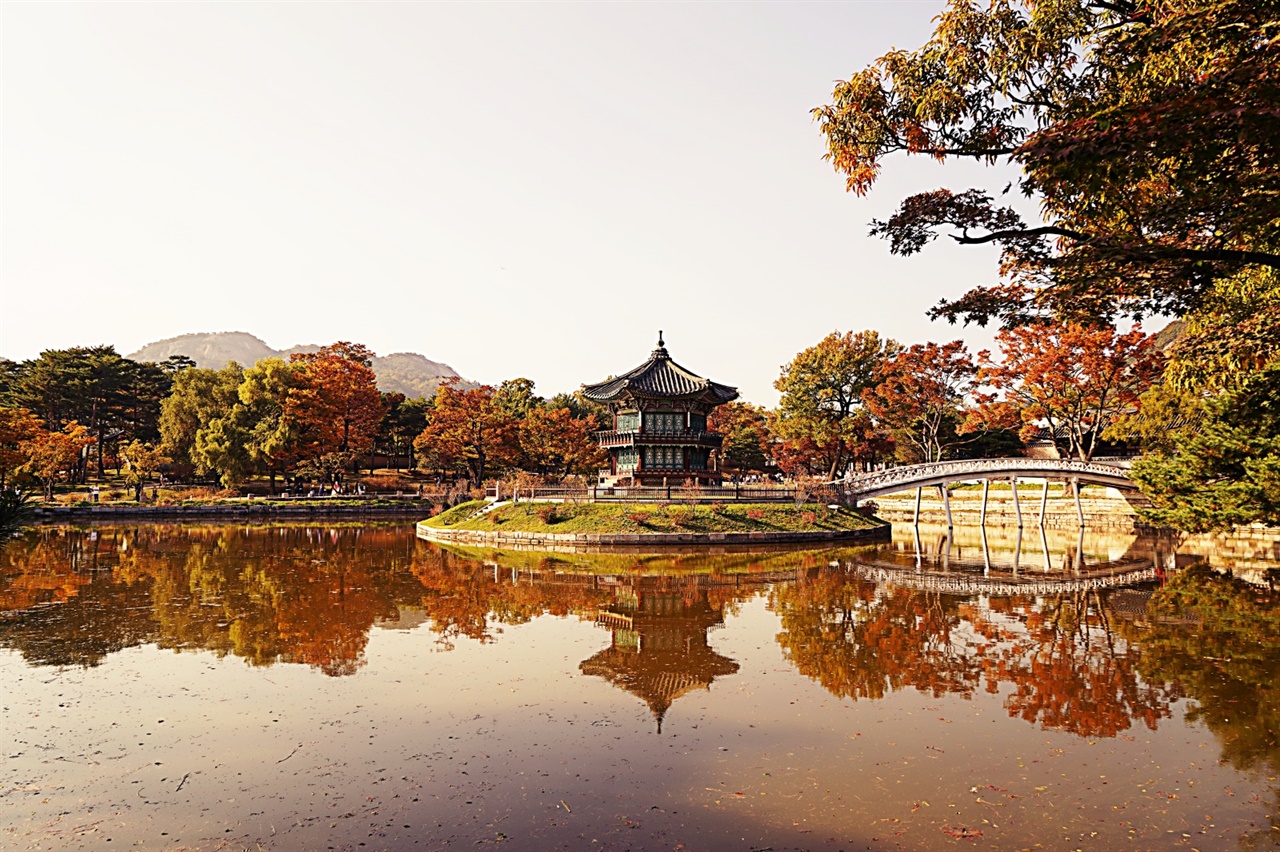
(556, 443)
(921, 396)
(468, 429)
(336, 403)
(1070, 379)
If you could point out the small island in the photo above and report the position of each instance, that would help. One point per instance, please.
(630, 524)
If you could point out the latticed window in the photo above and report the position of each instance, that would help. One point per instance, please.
(664, 421)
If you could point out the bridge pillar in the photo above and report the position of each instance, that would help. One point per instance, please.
(1044, 500)
(1017, 506)
(916, 519)
(982, 517)
(946, 503)
(1075, 486)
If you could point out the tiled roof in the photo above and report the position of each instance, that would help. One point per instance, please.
(660, 377)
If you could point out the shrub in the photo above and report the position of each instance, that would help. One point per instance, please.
(808, 517)
(547, 513)
(640, 519)
(717, 508)
(755, 515)
(681, 516)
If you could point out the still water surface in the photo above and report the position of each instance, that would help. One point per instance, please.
(348, 687)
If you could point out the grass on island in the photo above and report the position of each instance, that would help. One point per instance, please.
(648, 518)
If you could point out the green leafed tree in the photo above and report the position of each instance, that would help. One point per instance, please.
(1225, 470)
(821, 413)
(1143, 130)
(198, 397)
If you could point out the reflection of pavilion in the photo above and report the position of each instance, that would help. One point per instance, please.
(659, 649)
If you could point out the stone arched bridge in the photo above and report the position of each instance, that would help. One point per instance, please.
(861, 486)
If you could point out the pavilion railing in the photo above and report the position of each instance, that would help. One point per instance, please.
(661, 494)
(629, 438)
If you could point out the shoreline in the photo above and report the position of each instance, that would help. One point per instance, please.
(317, 507)
(556, 541)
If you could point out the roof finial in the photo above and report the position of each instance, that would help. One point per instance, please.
(660, 344)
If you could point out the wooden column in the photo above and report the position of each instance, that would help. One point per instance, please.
(1044, 500)
(982, 517)
(946, 503)
(1075, 486)
(916, 519)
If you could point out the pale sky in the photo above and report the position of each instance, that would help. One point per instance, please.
(524, 189)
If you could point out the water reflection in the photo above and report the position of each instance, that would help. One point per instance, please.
(1037, 620)
(659, 629)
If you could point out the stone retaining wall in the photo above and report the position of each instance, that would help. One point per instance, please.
(561, 540)
(310, 509)
(1108, 512)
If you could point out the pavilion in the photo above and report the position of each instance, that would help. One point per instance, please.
(660, 434)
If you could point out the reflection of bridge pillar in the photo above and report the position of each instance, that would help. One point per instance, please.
(1017, 506)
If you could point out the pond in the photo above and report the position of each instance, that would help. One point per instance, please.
(349, 687)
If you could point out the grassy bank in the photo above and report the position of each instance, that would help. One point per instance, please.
(646, 518)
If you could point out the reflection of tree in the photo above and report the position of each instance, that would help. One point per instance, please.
(464, 597)
(1228, 662)
(1068, 669)
(1065, 667)
(860, 642)
(287, 594)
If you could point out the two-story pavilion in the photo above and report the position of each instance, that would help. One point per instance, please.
(659, 433)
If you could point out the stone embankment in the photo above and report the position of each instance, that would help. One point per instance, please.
(1107, 508)
(256, 509)
(553, 541)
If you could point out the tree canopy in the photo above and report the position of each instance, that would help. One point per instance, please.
(1144, 130)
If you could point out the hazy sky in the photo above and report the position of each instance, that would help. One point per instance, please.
(524, 189)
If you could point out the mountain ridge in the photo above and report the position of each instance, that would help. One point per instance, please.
(409, 373)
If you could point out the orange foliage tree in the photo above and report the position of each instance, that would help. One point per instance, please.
(467, 430)
(17, 426)
(921, 394)
(51, 455)
(336, 403)
(1073, 379)
(555, 442)
(747, 437)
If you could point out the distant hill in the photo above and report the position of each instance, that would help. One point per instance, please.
(402, 372)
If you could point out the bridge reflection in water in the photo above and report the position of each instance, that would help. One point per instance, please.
(975, 560)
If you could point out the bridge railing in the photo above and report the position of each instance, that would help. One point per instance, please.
(984, 467)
